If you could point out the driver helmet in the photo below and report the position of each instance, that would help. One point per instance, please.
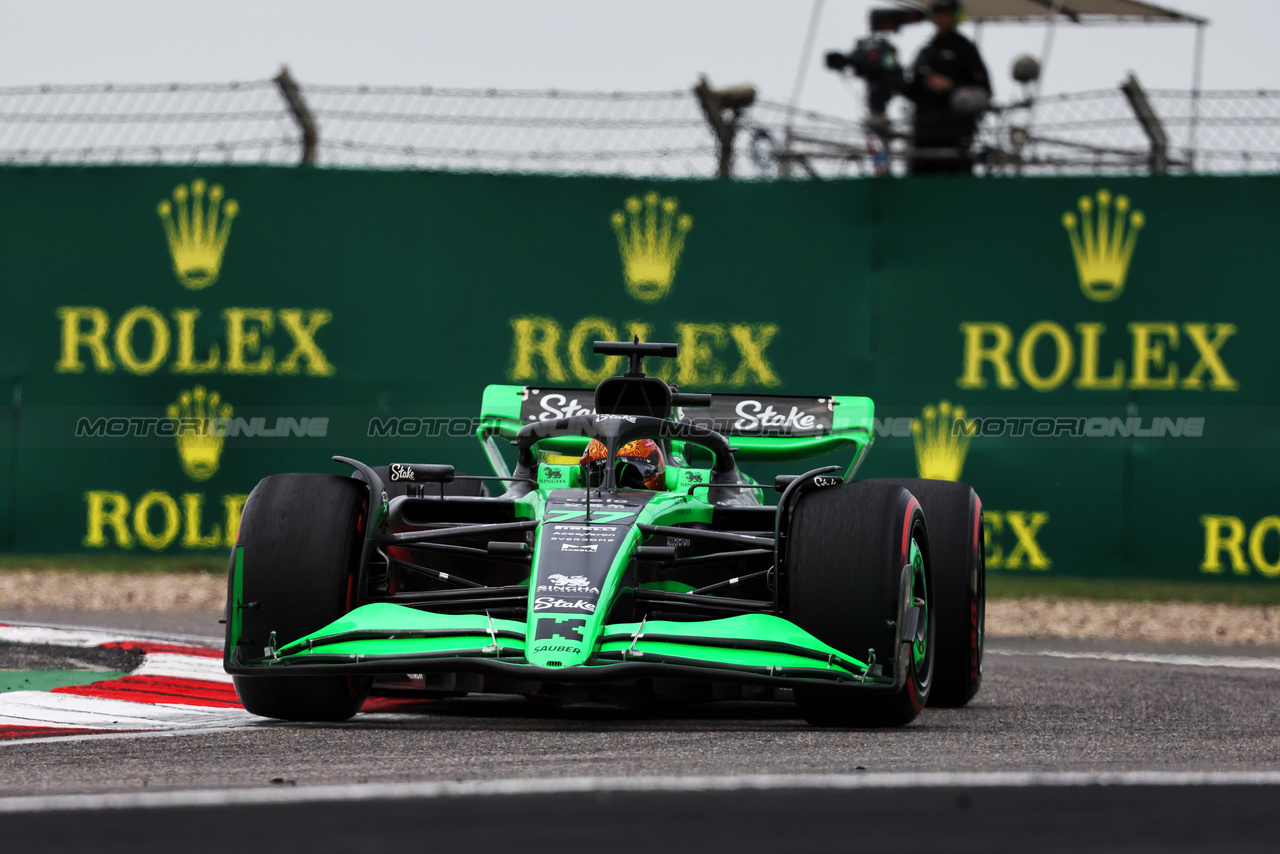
(638, 464)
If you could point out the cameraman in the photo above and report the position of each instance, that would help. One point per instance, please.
(945, 64)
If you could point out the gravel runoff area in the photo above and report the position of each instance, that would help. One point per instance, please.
(1228, 625)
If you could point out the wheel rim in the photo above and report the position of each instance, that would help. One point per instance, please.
(919, 598)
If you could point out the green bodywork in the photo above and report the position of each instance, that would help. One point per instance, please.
(758, 643)
(384, 636)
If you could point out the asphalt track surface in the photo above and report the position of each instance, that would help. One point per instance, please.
(1070, 746)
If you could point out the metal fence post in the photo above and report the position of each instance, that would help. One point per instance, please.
(1150, 122)
(714, 103)
(293, 97)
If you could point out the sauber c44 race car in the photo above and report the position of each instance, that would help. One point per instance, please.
(627, 557)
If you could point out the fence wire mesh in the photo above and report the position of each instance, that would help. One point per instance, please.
(173, 123)
(502, 130)
(617, 133)
(1218, 131)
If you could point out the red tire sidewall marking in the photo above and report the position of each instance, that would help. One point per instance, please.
(975, 672)
(912, 506)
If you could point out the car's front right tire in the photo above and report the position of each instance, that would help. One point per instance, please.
(297, 550)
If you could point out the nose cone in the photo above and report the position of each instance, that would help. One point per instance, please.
(582, 551)
(559, 640)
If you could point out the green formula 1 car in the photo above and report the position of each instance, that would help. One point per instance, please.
(627, 558)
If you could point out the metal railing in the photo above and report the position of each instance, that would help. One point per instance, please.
(667, 133)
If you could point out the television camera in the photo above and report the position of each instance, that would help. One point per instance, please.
(874, 58)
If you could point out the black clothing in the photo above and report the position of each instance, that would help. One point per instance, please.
(937, 125)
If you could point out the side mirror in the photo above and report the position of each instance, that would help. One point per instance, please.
(782, 481)
(681, 398)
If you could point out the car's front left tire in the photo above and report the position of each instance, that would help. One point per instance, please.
(954, 512)
(852, 550)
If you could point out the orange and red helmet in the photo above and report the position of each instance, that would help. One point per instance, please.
(639, 465)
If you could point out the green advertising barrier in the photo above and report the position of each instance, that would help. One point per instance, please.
(1097, 357)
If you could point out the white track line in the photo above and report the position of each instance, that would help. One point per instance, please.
(42, 708)
(62, 637)
(94, 636)
(1242, 662)
(182, 667)
(76, 711)
(259, 796)
(252, 723)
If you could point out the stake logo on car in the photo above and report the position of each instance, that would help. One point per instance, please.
(543, 603)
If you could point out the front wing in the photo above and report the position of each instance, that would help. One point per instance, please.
(383, 638)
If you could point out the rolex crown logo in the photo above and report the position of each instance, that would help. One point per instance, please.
(651, 238)
(197, 227)
(940, 446)
(1103, 248)
(199, 436)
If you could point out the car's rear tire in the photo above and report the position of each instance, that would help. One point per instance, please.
(846, 552)
(299, 542)
(954, 513)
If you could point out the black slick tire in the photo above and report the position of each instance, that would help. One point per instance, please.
(300, 536)
(954, 512)
(846, 550)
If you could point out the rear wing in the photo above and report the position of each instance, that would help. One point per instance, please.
(769, 427)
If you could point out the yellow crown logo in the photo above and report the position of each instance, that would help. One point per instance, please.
(1103, 250)
(199, 236)
(940, 447)
(651, 238)
(199, 438)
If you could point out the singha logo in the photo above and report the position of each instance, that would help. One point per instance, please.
(940, 446)
(197, 232)
(651, 239)
(1103, 249)
(567, 580)
(199, 438)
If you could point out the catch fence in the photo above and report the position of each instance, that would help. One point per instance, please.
(679, 133)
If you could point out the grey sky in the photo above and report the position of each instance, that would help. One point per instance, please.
(577, 44)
